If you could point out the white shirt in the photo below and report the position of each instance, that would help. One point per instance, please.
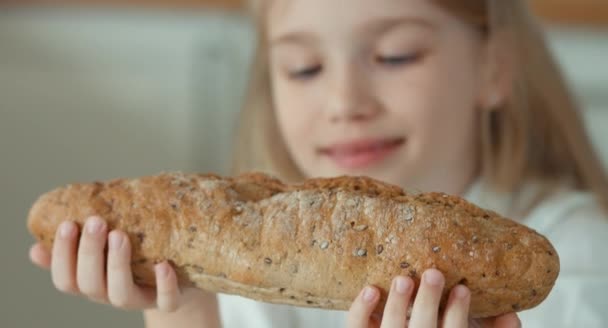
(571, 220)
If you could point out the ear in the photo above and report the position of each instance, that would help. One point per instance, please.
(497, 75)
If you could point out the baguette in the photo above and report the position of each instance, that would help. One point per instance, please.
(313, 244)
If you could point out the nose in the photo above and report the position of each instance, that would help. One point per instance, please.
(350, 97)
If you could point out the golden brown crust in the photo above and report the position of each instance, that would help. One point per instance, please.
(315, 244)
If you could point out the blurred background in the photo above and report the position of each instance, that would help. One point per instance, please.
(102, 89)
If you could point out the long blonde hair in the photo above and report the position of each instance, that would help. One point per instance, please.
(537, 135)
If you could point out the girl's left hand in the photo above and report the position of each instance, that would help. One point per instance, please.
(425, 312)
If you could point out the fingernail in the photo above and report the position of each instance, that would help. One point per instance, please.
(518, 325)
(433, 277)
(66, 229)
(162, 270)
(402, 285)
(369, 294)
(461, 292)
(115, 241)
(94, 225)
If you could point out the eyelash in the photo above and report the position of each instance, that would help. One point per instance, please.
(306, 73)
(390, 61)
(393, 61)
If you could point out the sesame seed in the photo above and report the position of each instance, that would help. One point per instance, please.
(324, 245)
(361, 252)
(360, 227)
(436, 249)
(409, 214)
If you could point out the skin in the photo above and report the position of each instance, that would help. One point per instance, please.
(372, 71)
(376, 72)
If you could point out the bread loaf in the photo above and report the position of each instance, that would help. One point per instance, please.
(314, 244)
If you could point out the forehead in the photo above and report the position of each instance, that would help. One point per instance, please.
(342, 16)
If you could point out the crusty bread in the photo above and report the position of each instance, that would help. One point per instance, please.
(315, 244)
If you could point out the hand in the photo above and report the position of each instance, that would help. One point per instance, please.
(79, 267)
(425, 311)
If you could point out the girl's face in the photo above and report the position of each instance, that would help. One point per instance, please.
(384, 88)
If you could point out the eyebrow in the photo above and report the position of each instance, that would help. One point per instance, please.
(374, 27)
(382, 25)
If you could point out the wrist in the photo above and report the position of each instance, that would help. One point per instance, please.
(197, 309)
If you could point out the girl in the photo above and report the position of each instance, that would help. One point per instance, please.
(432, 95)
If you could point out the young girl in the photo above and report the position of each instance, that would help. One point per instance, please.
(432, 95)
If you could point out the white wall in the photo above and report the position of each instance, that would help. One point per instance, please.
(101, 95)
(583, 53)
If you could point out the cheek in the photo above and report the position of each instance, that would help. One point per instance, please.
(444, 128)
(294, 117)
(436, 104)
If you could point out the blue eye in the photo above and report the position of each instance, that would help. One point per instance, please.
(306, 73)
(397, 60)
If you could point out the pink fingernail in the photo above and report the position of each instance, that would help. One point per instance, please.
(402, 285)
(369, 294)
(162, 270)
(94, 225)
(115, 241)
(461, 292)
(433, 277)
(66, 229)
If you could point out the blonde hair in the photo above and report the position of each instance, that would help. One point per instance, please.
(537, 135)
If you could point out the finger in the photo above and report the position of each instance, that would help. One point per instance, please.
(510, 320)
(457, 309)
(362, 308)
(122, 291)
(395, 310)
(426, 305)
(167, 290)
(90, 272)
(40, 256)
(63, 264)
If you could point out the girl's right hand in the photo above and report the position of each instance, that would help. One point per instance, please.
(79, 266)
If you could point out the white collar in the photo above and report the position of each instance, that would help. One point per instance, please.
(513, 205)
(483, 196)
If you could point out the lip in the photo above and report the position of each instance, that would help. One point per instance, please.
(358, 154)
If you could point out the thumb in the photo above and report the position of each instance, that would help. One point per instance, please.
(510, 320)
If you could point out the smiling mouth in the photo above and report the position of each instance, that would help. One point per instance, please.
(362, 153)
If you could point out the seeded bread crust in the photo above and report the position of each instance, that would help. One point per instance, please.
(314, 244)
